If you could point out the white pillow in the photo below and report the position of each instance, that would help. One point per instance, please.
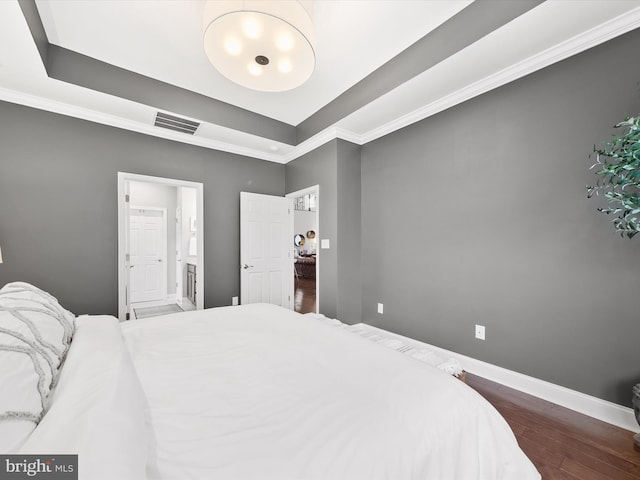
(35, 334)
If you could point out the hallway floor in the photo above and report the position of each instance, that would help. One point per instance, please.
(156, 311)
(305, 295)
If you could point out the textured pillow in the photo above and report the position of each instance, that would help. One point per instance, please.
(35, 334)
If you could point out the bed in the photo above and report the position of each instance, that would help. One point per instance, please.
(260, 392)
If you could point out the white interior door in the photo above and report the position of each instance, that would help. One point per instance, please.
(148, 252)
(266, 235)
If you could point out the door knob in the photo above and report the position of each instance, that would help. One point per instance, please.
(245, 266)
(159, 260)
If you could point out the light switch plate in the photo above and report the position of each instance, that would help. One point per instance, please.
(324, 243)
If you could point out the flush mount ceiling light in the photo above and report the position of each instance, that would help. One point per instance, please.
(260, 44)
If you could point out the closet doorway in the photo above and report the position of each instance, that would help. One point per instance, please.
(160, 246)
(306, 248)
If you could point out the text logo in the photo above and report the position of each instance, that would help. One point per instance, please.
(49, 467)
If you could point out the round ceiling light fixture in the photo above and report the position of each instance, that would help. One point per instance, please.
(259, 44)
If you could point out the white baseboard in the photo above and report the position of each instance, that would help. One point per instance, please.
(580, 402)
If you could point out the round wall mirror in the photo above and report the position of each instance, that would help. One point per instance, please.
(298, 240)
(311, 234)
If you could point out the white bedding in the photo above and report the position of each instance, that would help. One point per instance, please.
(259, 392)
(97, 409)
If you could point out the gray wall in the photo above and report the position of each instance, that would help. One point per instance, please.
(494, 191)
(58, 209)
(335, 167)
(349, 233)
(319, 167)
(476, 215)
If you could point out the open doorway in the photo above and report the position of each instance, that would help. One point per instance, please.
(160, 246)
(306, 252)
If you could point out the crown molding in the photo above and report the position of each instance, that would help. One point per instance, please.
(54, 106)
(311, 144)
(320, 139)
(349, 136)
(584, 41)
(591, 38)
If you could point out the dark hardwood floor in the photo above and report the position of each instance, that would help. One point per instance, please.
(305, 294)
(561, 443)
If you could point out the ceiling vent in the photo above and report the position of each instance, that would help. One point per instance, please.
(164, 120)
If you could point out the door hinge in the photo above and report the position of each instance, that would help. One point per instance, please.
(126, 198)
(128, 316)
(127, 257)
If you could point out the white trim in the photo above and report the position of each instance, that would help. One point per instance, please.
(122, 270)
(314, 189)
(55, 106)
(594, 407)
(320, 139)
(579, 43)
(349, 136)
(595, 36)
(311, 144)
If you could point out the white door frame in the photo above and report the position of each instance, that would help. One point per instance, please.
(292, 196)
(123, 265)
(178, 262)
(163, 248)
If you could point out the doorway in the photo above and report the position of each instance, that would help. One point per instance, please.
(306, 252)
(160, 268)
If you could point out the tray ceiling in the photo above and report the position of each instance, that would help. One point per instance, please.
(381, 65)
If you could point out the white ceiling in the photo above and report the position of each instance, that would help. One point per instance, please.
(163, 40)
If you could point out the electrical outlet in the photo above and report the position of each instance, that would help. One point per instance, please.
(234, 301)
(380, 308)
(480, 332)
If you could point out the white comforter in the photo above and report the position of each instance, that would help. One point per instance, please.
(97, 409)
(260, 392)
